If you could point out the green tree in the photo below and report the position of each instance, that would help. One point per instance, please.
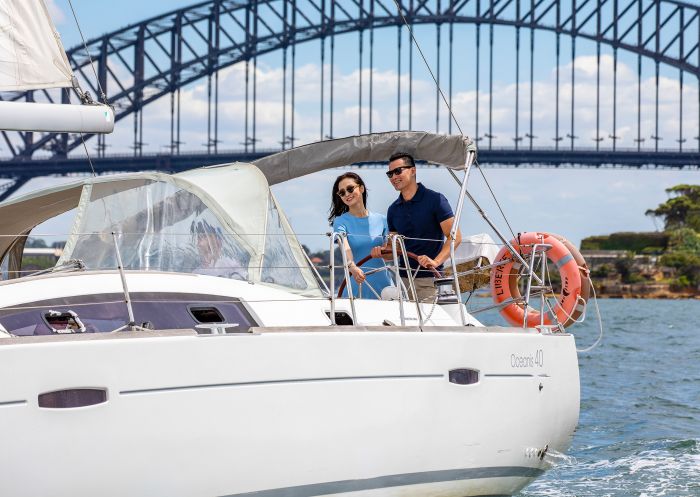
(35, 243)
(684, 240)
(684, 256)
(602, 271)
(687, 265)
(625, 267)
(681, 210)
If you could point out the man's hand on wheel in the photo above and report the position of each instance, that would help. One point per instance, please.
(427, 262)
(376, 252)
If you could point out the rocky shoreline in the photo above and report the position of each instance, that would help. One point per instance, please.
(615, 290)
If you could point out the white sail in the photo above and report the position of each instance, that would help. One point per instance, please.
(31, 53)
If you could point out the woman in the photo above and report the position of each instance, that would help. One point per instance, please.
(364, 230)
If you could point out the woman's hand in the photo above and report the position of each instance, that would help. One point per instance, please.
(357, 273)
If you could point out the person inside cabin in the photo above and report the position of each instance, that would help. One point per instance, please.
(213, 258)
(425, 218)
(364, 230)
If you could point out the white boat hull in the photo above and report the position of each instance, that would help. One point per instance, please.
(287, 413)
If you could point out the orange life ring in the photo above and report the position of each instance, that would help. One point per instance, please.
(585, 279)
(574, 293)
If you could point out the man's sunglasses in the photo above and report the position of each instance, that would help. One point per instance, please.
(397, 170)
(348, 191)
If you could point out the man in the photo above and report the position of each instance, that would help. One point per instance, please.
(425, 218)
(215, 255)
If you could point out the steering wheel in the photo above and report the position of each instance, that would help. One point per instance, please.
(411, 255)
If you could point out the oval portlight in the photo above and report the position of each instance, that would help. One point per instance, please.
(464, 376)
(72, 397)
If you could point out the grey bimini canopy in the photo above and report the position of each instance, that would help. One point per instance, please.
(446, 150)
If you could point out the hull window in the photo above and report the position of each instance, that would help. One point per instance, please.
(71, 398)
(464, 376)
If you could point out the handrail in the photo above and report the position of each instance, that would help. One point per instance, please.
(397, 273)
(546, 248)
(471, 157)
(399, 239)
(340, 238)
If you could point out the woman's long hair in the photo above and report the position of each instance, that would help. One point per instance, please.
(338, 207)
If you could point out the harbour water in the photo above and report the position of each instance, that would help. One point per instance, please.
(639, 429)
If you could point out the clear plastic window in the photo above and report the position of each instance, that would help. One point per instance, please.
(280, 266)
(157, 226)
(39, 250)
(4, 269)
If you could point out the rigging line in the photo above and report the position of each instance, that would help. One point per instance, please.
(94, 174)
(87, 153)
(87, 52)
(449, 109)
(498, 204)
(600, 322)
(415, 42)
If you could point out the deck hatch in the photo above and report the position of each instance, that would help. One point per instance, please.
(464, 376)
(63, 322)
(206, 314)
(72, 397)
(342, 318)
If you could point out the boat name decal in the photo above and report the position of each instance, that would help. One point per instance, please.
(527, 361)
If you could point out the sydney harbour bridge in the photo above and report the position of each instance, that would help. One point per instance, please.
(621, 82)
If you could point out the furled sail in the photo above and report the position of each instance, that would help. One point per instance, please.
(31, 53)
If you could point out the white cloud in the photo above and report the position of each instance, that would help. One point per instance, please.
(307, 116)
(55, 12)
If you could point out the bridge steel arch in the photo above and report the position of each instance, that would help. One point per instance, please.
(144, 62)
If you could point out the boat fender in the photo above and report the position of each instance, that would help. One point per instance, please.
(504, 281)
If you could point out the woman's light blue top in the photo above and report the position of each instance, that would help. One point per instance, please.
(364, 233)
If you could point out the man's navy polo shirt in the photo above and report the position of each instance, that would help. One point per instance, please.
(420, 217)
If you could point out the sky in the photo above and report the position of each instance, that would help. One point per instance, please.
(574, 203)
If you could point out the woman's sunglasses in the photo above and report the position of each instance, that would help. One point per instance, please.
(397, 170)
(348, 191)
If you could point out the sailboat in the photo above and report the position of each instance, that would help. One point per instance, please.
(185, 345)
(33, 58)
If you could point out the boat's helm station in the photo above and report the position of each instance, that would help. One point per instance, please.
(518, 276)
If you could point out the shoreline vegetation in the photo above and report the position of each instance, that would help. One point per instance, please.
(656, 265)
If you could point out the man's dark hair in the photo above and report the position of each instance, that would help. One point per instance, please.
(407, 158)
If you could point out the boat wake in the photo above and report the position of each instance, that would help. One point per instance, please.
(666, 467)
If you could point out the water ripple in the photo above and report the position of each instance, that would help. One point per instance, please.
(640, 406)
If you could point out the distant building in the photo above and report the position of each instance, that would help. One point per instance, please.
(35, 259)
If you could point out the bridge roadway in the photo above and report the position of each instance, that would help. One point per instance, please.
(497, 157)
